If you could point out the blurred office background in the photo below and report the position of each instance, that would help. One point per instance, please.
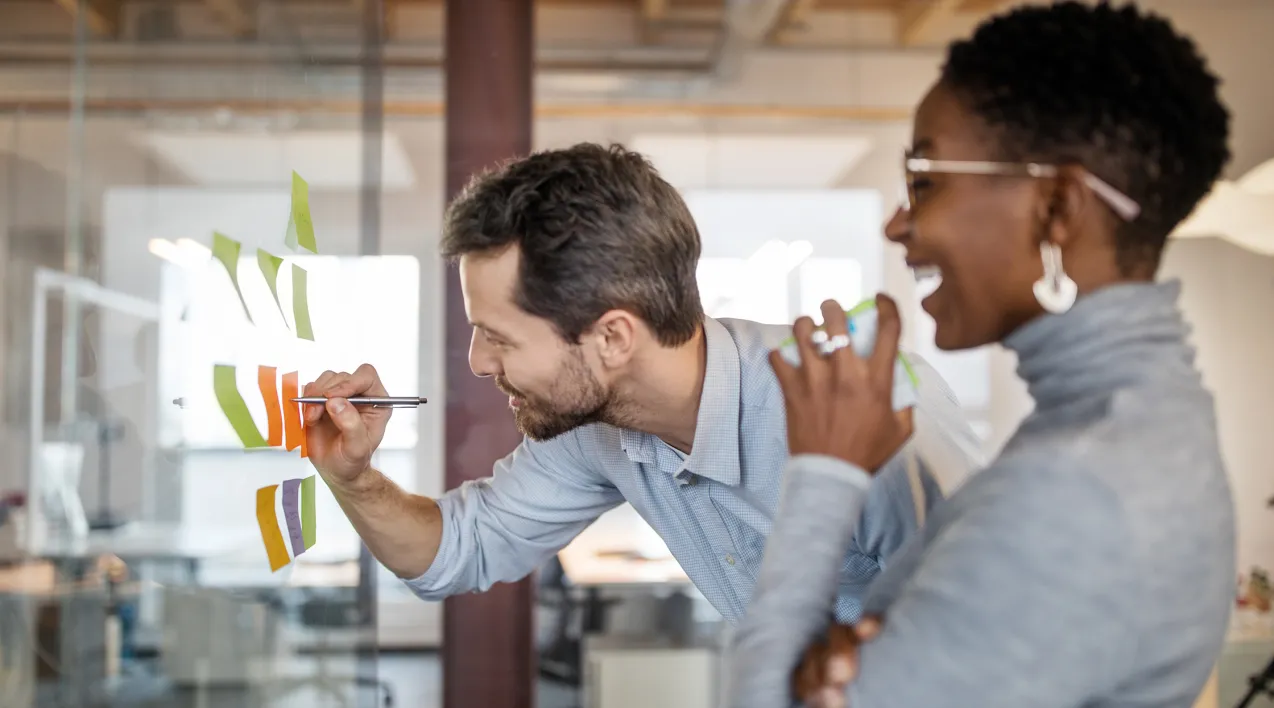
(131, 130)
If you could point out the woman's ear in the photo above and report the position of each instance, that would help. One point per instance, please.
(1066, 205)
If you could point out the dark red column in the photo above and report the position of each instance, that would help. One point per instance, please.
(488, 652)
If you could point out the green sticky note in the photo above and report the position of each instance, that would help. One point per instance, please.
(270, 269)
(308, 532)
(300, 226)
(301, 304)
(226, 250)
(235, 410)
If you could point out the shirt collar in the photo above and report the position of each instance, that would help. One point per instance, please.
(715, 451)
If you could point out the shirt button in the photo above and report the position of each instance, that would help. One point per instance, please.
(692, 480)
(729, 559)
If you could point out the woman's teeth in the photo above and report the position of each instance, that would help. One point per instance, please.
(928, 279)
(926, 272)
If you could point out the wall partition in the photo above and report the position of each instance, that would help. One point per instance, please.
(192, 203)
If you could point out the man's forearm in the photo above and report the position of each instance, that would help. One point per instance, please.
(402, 530)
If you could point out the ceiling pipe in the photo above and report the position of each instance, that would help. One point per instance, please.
(636, 59)
(403, 109)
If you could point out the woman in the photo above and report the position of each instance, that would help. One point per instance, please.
(1091, 564)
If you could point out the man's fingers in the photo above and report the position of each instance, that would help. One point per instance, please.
(363, 382)
(888, 334)
(316, 388)
(377, 387)
(350, 423)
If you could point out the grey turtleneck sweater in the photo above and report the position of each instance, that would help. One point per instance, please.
(1091, 564)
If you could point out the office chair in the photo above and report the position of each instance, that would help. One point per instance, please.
(1262, 683)
(563, 621)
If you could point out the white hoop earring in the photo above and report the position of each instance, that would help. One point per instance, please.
(1055, 291)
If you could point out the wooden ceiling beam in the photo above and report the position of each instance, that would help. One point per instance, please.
(917, 19)
(102, 16)
(793, 15)
(389, 16)
(651, 14)
(240, 20)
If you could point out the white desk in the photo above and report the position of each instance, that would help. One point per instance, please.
(621, 549)
(146, 542)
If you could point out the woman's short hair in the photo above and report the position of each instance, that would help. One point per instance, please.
(1114, 89)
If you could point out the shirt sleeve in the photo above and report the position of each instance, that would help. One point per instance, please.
(1012, 604)
(889, 516)
(499, 529)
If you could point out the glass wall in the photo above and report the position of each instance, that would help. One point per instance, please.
(162, 539)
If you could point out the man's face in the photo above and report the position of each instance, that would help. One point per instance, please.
(551, 384)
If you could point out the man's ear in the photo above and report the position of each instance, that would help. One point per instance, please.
(615, 336)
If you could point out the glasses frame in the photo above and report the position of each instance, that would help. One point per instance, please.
(1123, 205)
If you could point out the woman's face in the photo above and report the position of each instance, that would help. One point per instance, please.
(979, 235)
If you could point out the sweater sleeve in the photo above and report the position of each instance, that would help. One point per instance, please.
(1022, 599)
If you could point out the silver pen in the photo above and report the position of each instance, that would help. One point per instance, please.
(383, 402)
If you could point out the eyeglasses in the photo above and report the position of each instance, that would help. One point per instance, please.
(1120, 203)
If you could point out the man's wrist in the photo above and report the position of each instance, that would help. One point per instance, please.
(357, 486)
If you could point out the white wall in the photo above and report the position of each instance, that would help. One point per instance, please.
(1227, 296)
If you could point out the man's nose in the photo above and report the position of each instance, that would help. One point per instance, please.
(482, 359)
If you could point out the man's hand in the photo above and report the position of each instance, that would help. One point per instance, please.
(840, 404)
(830, 665)
(339, 436)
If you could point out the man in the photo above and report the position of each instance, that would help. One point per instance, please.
(578, 272)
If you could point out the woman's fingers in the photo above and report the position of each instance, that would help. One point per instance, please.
(888, 335)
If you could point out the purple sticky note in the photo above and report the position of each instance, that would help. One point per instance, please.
(292, 513)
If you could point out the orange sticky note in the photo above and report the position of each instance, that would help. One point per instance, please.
(305, 450)
(269, 521)
(266, 380)
(292, 413)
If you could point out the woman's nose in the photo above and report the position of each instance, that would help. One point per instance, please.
(898, 228)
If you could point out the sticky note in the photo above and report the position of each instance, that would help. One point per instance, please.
(292, 412)
(267, 376)
(301, 304)
(305, 449)
(269, 522)
(232, 405)
(270, 265)
(300, 226)
(226, 250)
(292, 515)
(310, 532)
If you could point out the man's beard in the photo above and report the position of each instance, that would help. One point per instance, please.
(576, 398)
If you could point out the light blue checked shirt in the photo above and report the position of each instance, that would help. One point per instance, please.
(713, 508)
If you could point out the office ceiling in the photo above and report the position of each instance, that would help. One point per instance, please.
(650, 22)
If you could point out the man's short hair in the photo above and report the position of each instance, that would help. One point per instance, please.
(598, 230)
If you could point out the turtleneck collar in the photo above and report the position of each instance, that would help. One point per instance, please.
(1110, 338)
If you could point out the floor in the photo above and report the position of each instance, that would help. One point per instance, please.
(414, 678)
